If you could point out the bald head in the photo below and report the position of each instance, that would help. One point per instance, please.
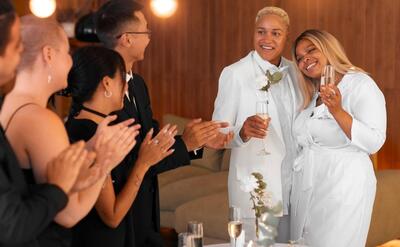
(37, 33)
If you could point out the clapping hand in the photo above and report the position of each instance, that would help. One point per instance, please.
(254, 126)
(113, 143)
(153, 150)
(64, 169)
(197, 132)
(220, 141)
(89, 173)
(109, 146)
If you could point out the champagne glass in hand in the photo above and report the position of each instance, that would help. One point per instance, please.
(328, 75)
(262, 111)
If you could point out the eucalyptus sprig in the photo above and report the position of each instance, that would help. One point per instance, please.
(259, 197)
(271, 79)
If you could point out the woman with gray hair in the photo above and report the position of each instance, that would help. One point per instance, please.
(240, 88)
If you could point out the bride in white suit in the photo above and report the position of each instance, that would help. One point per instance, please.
(334, 182)
(238, 92)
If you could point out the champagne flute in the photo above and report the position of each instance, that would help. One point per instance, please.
(235, 224)
(185, 239)
(328, 75)
(262, 111)
(234, 213)
(234, 229)
(196, 228)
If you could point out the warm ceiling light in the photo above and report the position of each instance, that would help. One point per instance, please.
(42, 8)
(164, 8)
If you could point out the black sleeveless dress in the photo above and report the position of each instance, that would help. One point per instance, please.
(54, 235)
(91, 231)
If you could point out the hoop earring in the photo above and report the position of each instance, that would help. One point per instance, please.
(107, 94)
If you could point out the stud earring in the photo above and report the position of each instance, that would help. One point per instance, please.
(49, 78)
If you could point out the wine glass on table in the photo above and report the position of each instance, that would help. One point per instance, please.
(185, 239)
(196, 229)
(262, 111)
(235, 224)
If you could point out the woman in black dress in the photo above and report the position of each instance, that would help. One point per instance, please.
(97, 85)
(37, 134)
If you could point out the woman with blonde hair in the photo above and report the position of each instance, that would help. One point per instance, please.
(341, 124)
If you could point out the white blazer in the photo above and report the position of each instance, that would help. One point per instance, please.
(238, 93)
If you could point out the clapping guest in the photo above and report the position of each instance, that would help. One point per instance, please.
(122, 26)
(341, 124)
(37, 134)
(26, 210)
(97, 85)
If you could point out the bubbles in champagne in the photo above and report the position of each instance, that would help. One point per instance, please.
(234, 229)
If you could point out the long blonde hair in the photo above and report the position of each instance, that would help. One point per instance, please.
(334, 53)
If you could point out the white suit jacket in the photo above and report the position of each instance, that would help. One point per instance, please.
(238, 93)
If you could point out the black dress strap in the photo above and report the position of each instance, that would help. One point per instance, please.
(15, 112)
(93, 111)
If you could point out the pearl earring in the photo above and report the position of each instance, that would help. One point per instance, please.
(107, 94)
(49, 78)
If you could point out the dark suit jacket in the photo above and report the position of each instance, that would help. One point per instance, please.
(146, 208)
(25, 210)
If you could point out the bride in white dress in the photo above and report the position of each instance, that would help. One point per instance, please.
(334, 182)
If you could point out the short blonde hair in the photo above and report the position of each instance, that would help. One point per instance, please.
(271, 10)
(334, 52)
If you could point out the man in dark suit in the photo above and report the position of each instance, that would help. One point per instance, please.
(25, 211)
(121, 26)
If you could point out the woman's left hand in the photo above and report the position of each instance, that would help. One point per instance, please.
(332, 98)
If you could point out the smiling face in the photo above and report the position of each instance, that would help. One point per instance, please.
(270, 37)
(310, 60)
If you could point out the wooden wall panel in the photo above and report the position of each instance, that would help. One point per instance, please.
(189, 50)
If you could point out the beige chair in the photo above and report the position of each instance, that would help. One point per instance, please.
(385, 222)
(196, 192)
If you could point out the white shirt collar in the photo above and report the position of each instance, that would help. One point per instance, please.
(265, 65)
(129, 76)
